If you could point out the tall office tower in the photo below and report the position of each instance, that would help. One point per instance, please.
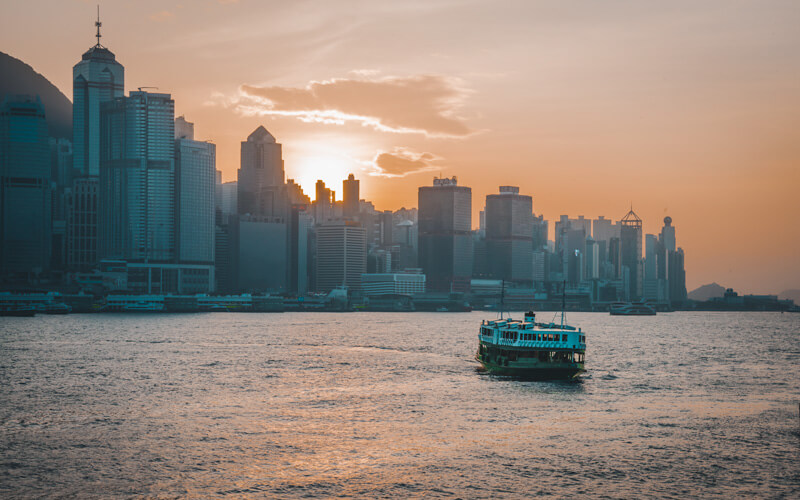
(195, 183)
(667, 236)
(592, 260)
(445, 238)
(82, 223)
(540, 233)
(509, 235)
(184, 130)
(260, 253)
(136, 210)
(262, 191)
(631, 253)
(341, 255)
(386, 222)
(323, 208)
(61, 188)
(604, 229)
(96, 79)
(677, 277)
(405, 236)
(350, 196)
(25, 191)
(230, 198)
(651, 287)
(300, 224)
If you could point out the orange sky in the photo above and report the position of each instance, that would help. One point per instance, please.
(682, 108)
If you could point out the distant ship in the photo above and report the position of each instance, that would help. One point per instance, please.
(632, 309)
(527, 349)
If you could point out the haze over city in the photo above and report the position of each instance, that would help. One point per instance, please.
(682, 109)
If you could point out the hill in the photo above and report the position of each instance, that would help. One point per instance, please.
(706, 292)
(16, 77)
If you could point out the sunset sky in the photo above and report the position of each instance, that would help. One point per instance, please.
(682, 108)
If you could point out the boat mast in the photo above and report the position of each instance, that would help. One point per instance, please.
(502, 298)
(563, 301)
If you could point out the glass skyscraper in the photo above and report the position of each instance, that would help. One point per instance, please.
(195, 172)
(445, 239)
(136, 213)
(97, 78)
(25, 196)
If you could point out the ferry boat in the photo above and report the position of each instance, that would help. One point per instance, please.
(531, 350)
(528, 349)
(632, 309)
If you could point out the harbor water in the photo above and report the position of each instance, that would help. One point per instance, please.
(393, 405)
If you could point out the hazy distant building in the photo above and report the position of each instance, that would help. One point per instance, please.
(262, 192)
(631, 253)
(136, 215)
(341, 255)
(509, 233)
(322, 206)
(195, 180)
(539, 233)
(350, 196)
(229, 198)
(25, 190)
(445, 239)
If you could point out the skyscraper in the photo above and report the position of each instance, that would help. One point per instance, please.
(136, 215)
(341, 255)
(631, 254)
(350, 194)
(262, 192)
(97, 78)
(445, 239)
(509, 233)
(195, 169)
(25, 194)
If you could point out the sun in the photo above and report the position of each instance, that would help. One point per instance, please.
(320, 162)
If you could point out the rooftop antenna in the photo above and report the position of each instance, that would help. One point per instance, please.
(98, 24)
(140, 88)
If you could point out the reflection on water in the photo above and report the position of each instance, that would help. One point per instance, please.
(371, 404)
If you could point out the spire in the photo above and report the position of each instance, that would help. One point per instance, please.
(98, 24)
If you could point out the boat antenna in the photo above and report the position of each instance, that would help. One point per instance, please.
(563, 302)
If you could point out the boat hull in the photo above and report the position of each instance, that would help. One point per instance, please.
(526, 367)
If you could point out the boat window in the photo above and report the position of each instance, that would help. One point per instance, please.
(564, 337)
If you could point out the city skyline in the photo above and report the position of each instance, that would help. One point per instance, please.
(749, 191)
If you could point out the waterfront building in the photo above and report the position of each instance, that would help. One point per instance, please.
(445, 237)
(260, 257)
(262, 191)
(82, 224)
(376, 284)
(631, 254)
(509, 235)
(25, 188)
(341, 255)
(136, 216)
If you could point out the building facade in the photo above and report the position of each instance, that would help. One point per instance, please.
(25, 190)
(445, 239)
(509, 234)
(341, 255)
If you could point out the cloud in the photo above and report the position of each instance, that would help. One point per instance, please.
(425, 104)
(400, 162)
(162, 16)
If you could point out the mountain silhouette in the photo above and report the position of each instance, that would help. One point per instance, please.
(16, 77)
(706, 292)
